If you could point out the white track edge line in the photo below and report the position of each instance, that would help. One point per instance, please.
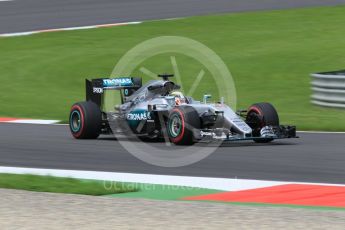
(17, 34)
(321, 132)
(224, 184)
(312, 132)
(56, 122)
(33, 121)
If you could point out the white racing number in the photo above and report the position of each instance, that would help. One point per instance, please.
(97, 90)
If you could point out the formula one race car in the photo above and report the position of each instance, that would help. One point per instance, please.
(157, 110)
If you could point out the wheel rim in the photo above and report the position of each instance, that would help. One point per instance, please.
(175, 125)
(75, 121)
(254, 118)
(255, 122)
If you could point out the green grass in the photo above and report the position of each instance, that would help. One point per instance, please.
(163, 192)
(270, 55)
(177, 193)
(118, 189)
(61, 185)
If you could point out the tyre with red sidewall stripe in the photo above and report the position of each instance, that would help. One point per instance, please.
(260, 115)
(85, 120)
(181, 124)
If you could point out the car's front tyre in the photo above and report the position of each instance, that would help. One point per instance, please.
(182, 122)
(260, 115)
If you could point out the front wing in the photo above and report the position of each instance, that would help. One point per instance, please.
(280, 132)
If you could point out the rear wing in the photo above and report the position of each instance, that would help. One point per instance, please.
(96, 87)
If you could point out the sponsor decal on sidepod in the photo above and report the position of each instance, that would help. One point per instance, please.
(138, 116)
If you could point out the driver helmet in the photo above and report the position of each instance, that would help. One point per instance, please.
(179, 97)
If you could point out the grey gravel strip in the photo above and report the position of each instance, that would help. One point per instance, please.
(33, 210)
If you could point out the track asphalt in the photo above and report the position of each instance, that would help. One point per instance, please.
(28, 15)
(315, 158)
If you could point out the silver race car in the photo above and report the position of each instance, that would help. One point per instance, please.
(157, 110)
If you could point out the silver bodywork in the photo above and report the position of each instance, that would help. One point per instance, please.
(159, 98)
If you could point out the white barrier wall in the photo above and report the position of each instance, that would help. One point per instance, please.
(328, 89)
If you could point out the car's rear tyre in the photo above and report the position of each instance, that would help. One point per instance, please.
(260, 115)
(182, 122)
(85, 120)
